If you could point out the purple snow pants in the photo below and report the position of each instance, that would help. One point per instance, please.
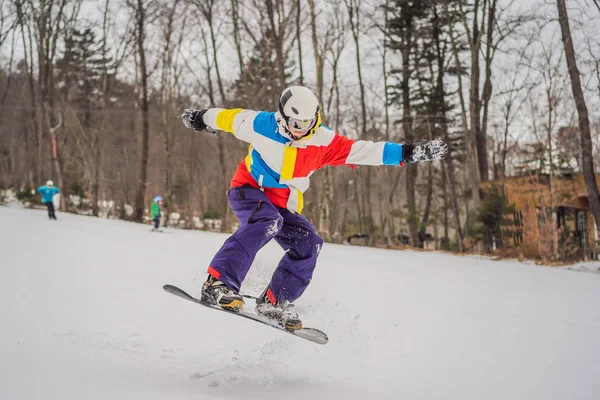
(261, 221)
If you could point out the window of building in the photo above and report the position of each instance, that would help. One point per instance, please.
(581, 227)
(518, 228)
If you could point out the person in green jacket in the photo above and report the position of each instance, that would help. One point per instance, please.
(155, 211)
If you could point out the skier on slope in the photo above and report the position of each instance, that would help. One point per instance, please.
(47, 192)
(266, 194)
(155, 212)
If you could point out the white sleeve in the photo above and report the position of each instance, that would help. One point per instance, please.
(237, 121)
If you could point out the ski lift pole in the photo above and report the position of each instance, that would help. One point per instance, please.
(53, 145)
(53, 135)
(55, 156)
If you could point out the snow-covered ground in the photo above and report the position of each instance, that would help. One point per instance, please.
(83, 316)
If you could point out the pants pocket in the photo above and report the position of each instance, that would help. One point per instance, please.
(257, 209)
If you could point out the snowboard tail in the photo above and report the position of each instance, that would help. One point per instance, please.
(311, 334)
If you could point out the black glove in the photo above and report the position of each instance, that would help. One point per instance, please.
(424, 151)
(193, 119)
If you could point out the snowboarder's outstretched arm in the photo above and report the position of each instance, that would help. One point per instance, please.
(344, 151)
(249, 125)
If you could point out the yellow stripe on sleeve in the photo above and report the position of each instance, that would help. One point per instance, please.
(300, 201)
(225, 119)
(249, 159)
(289, 162)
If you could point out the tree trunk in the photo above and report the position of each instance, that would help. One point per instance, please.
(353, 12)
(584, 122)
(353, 8)
(487, 88)
(277, 39)
(448, 167)
(96, 181)
(319, 57)
(223, 158)
(99, 132)
(144, 105)
(235, 18)
(427, 208)
(385, 74)
(407, 121)
(471, 157)
(299, 39)
(475, 100)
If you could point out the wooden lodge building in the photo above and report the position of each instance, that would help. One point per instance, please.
(534, 201)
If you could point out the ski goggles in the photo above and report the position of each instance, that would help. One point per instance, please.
(301, 124)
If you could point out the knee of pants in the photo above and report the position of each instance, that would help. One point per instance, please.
(317, 244)
(311, 246)
(274, 226)
(271, 223)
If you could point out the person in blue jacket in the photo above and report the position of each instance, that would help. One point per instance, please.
(48, 193)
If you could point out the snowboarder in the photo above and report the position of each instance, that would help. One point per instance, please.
(48, 191)
(266, 194)
(155, 212)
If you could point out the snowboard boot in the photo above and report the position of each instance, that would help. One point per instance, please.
(281, 312)
(217, 293)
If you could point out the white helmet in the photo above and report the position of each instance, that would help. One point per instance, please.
(299, 109)
(49, 183)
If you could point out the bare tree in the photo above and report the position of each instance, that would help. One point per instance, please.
(235, 19)
(141, 11)
(206, 7)
(439, 105)
(170, 75)
(299, 38)
(50, 19)
(471, 169)
(385, 200)
(403, 38)
(277, 19)
(486, 10)
(321, 43)
(9, 72)
(335, 216)
(353, 7)
(584, 122)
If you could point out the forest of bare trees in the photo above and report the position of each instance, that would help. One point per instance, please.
(92, 95)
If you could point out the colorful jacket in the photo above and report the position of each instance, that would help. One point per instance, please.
(47, 193)
(155, 210)
(282, 167)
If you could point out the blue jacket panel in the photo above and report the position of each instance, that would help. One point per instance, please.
(47, 193)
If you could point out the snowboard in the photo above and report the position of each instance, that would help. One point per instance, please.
(311, 334)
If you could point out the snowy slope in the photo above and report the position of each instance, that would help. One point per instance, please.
(83, 316)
